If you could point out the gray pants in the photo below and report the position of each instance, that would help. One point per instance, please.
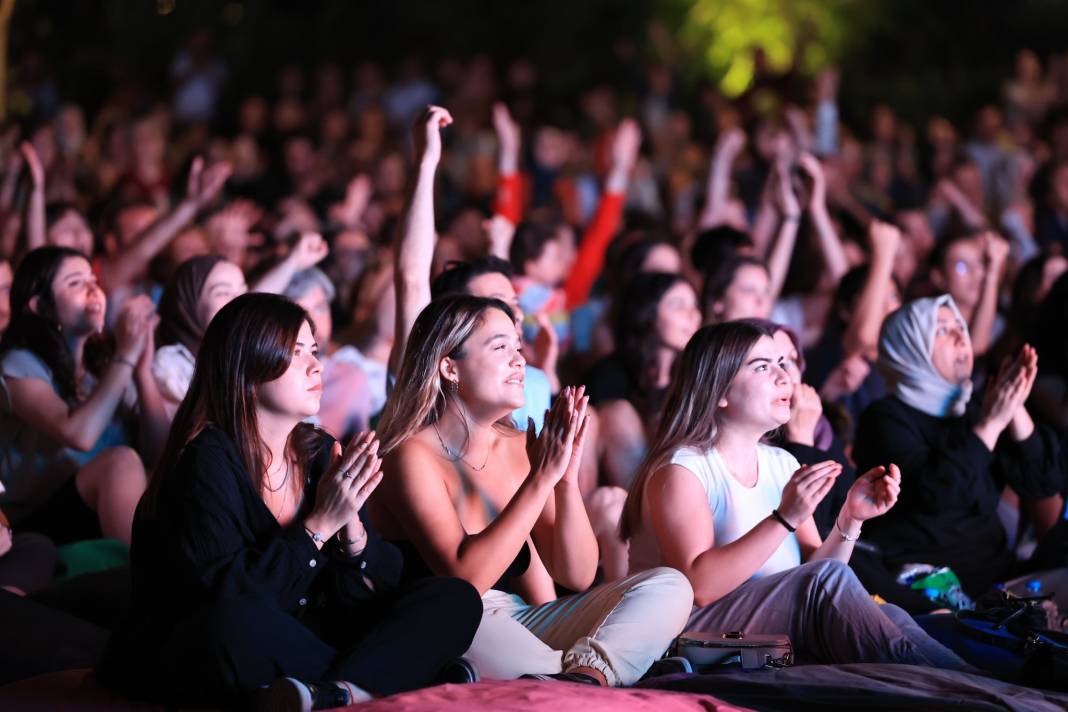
(829, 617)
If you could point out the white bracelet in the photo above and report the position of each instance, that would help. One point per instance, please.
(841, 532)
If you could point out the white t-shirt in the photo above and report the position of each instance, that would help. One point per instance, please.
(736, 509)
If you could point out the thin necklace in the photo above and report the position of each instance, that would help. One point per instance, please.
(285, 478)
(457, 456)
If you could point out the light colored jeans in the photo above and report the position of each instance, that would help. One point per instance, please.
(619, 629)
(829, 617)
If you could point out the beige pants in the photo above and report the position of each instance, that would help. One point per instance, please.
(619, 629)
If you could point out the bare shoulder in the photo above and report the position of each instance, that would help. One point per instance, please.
(415, 459)
(673, 484)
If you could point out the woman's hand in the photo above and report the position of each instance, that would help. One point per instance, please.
(806, 489)
(343, 490)
(805, 411)
(579, 403)
(550, 452)
(1008, 391)
(873, 494)
(136, 322)
(427, 134)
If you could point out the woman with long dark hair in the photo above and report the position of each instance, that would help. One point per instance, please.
(466, 494)
(61, 462)
(653, 318)
(251, 555)
(735, 514)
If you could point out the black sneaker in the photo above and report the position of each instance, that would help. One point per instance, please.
(458, 671)
(288, 694)
(668, 666)
(579, 677)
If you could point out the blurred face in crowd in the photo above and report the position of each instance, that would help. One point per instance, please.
(189, 243)
(72, 231)
(963, 270)
(747, 296)
(5, 294)
(557, 255)
(494, 285)
(317, 305)
(951, 353)
(224, 282)
(677, 316)
(80, 303)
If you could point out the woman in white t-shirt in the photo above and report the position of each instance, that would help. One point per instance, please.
(735, 514)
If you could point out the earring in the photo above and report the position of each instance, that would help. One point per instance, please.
(453, 387)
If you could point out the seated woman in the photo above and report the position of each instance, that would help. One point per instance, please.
(735, 515)
(956, 453)
(251, 556)
(65, 473)
(655, 315)
(468, 495)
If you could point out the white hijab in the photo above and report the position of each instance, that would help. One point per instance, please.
(905, 344)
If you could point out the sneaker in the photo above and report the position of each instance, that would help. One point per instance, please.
(288, 694)
(579, 677)
(669, 666)
(459, 671)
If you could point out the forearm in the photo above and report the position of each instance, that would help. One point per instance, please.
(721, 569)
(415, 257)
(573, 562)
(982, 324)
(154, 424)
(87, 421)
(276, 279)
(717, 189)
(482, 558)
(35, 219)
(764, 223)
(834, 256)
(130, 262)
(837, 546)
(780, 255)
(862, 333)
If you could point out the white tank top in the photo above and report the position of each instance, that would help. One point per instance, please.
(735, 508)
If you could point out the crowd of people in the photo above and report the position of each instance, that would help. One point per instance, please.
(603, 378)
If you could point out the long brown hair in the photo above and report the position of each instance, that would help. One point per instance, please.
(248, 343)
(691, 416)
(418, 398)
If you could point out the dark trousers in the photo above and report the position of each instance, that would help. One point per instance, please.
(394, 644)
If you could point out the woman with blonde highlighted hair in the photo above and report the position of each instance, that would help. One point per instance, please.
(466, 494)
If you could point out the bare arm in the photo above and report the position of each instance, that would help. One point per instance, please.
(203, 186)
(36, 403)
(782, 250)
(862, 333)
(416, 237)
(995, 251)
(719, 177)
(310, 250)
(834, 256)
(35, 209)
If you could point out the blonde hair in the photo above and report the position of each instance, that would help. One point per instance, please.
(691, 416)
(418, 398)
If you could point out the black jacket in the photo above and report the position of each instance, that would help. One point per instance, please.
(950, 487)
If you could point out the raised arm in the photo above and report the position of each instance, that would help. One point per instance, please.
(782, 249)
(729, 145)
(35, 209)
(995, 251)
(590, 258)
(834, 256)
(202, 186)
(862, 333)
(416, 237)
(310, 250)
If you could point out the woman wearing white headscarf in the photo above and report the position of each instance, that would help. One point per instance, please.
(956, 453)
